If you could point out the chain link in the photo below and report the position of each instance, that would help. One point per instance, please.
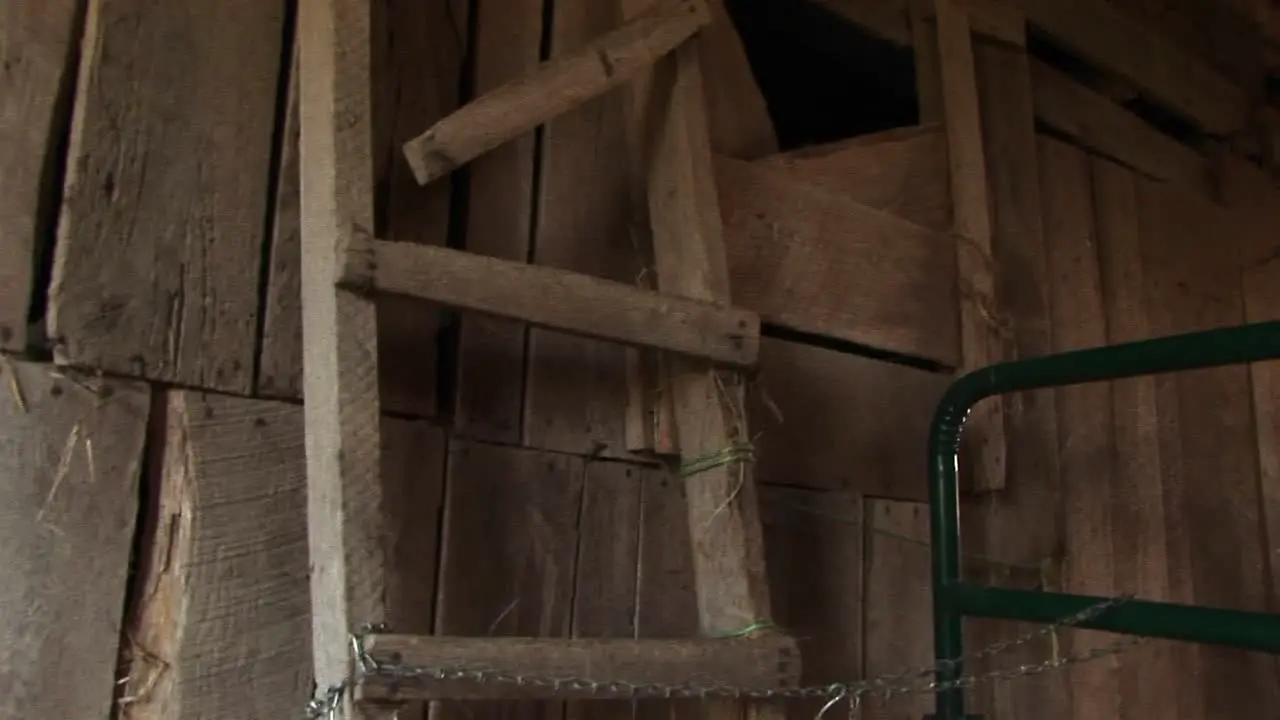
(327, 705)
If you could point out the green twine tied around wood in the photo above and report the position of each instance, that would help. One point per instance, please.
(753, 627)
(735, 453)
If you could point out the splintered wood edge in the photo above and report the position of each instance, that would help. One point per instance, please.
(605, 668)
(568, 302)
(556, 87)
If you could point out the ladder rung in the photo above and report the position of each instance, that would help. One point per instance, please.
(764, 663)
(568, 301)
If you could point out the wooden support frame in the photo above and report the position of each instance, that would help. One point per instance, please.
(344, 266)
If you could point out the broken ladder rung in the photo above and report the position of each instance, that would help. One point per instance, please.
(412, 667)
(556, 299)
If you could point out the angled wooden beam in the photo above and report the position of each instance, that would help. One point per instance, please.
(556, 87)
(346, 524)
(460, 668)
(568, 301)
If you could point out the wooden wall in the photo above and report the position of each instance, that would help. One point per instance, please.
(153, 481)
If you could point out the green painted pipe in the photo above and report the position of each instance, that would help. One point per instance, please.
(1191, 351)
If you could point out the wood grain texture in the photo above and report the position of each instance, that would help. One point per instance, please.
(491, 352)
(37, 47)
(413, 82)
(792, 247)
(737, 115)
(898, 602)
(1148, 676)
(513, 512)
(1139, 54)
(1193, 285)
(555, 87)
(347, 503)
(902, 172)
(830, 420)
(1022, 526)
(224, 596)
(814, 544)
(1098, 123)
(569, 302)
(1086, 441)
(161, 229)
(981, 343)
(576, 389)
(71, 462)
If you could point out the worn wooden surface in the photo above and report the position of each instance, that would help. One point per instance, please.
(737, 115)
(814, 544)
(489, 396)
(161, 230)
(825, 419)
(514, 512)
(792, 246)
(38, 45)
(223, 589)
(901, 171)
(413, 83)
(72, 457)
(1086, 440)
(576, 392)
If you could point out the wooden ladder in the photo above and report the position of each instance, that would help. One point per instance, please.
(690, 316)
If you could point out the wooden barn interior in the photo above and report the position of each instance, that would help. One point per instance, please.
(623, 319)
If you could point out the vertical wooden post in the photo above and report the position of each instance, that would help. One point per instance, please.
(349, 569)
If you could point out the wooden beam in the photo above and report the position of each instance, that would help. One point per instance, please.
(37, 43)
(1169, 75)
(981, 313)
(731, 581)
(556, 87)
(793, 247)
(346, 513)
(567, 301)
(609, 667)
(1099, 124)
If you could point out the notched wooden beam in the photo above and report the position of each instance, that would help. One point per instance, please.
(567, 301)
(460, 668)
(556, 87)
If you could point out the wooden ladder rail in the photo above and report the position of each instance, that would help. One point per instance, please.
(343, 269)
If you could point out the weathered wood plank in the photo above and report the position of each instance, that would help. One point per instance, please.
(738, 118)
(1086, 441)
(1195, 285)
(902, 172)
(223, 588)
(555, 87)
(1103, 35)
(569, 302)
(814, 541)
(793, 246)
(491, 352)
(830, 420)
(413, 83)
(160, 237)
(346, 499)
(1148, 678)
(981, 343)
(1099, 124)
(67, 509)
(513, 512)
(576, 390)
(38, 44)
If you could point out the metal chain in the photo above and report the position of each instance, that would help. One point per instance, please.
(327, 705)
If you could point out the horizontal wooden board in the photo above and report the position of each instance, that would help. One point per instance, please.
(807, 258)
(161, 233)
(567, 301)
(37, 45)
(71, 459)
(825, 419)
(902, 172)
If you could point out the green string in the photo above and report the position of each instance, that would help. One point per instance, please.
(737, 452)
(753, 627)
